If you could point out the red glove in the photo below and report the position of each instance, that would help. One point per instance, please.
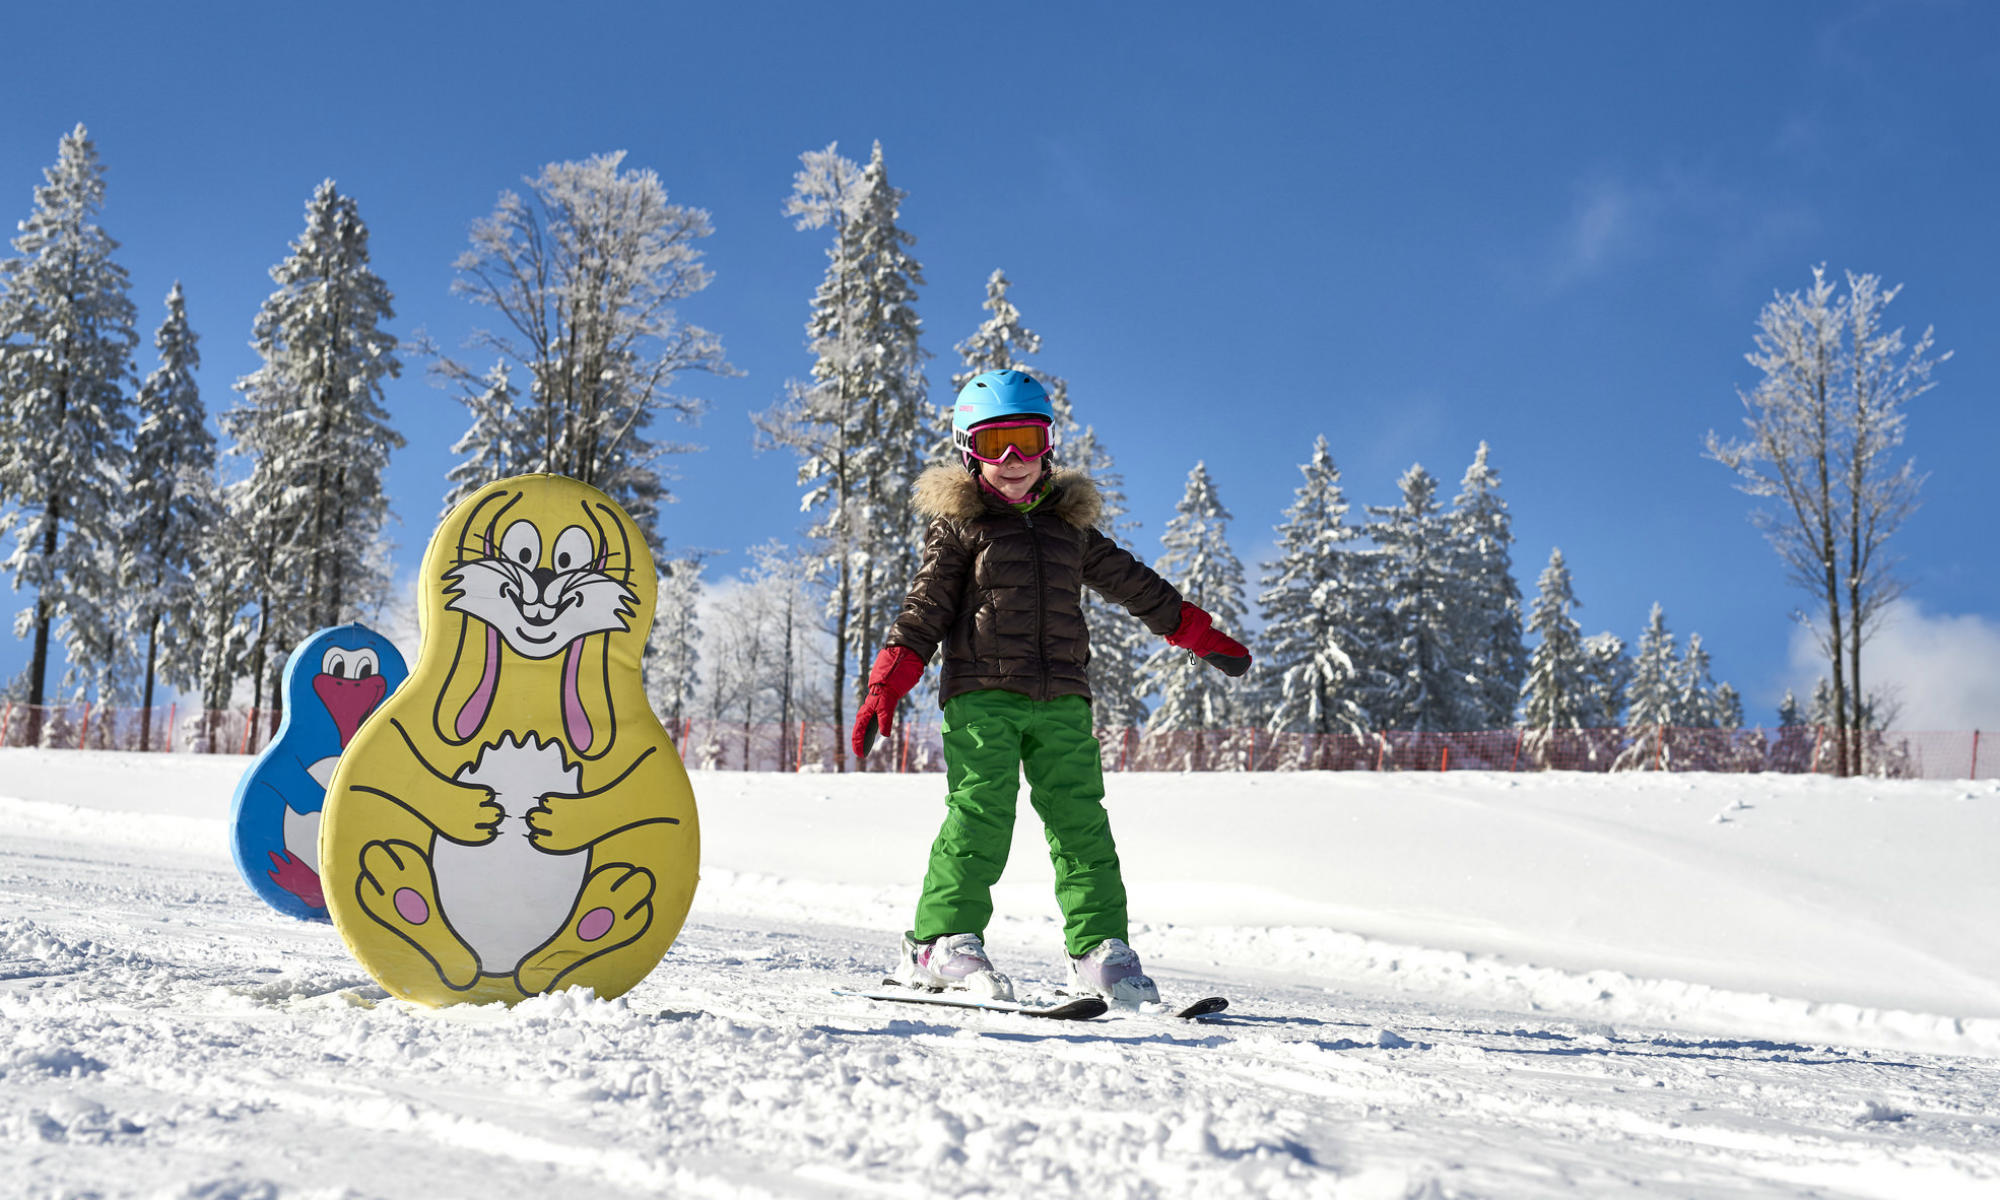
(896, 671)
(1199, 636)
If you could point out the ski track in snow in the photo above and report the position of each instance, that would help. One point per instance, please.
(163, 1034)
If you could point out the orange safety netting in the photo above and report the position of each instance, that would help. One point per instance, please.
(816, 746)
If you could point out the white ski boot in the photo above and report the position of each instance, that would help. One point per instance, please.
(957, 961)
(1111, 970)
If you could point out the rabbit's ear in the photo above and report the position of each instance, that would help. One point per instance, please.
(590, 718)
(466, 699)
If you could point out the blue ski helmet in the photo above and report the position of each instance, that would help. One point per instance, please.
(995, 394)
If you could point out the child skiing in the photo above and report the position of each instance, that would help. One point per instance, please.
(1011, 545)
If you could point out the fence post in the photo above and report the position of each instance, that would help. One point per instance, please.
(1812, 764)
(1381, 747)
(1659, 745)
(1518, 734)
(7, 725)
(249, 727)
(1445, 765)
(167, 737)
(1975, 755)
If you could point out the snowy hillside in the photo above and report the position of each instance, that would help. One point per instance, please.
(1444, 985)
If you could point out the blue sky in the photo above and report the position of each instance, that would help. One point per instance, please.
(1408, 227)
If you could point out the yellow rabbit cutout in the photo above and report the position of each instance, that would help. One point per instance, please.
(514, 820)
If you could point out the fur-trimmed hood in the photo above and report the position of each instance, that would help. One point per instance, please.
(954, 492)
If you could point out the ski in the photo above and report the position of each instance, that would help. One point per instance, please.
(1207, 1006)
(1081, 1009)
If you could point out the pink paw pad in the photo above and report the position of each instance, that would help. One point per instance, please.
(595, 924)
(411, 907)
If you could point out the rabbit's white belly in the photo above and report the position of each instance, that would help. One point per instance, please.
(505, 897)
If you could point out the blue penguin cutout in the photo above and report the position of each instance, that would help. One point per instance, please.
(333, 681)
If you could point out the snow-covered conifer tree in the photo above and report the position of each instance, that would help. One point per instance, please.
(1490, 642)
(1788, 711)
(1696, 704)
(172, 505)
(315, 425)
(1118, 645)
(1728, 707)
(860, 428)
(66, 341)
(1198, 560)
(1556, 694)
(498, 445)
(1307, 601)
(1425, 684)
(1653, 697)
(1608, 676)
(585, 272)
(673, 649)
(1003, 343)
(223, 600)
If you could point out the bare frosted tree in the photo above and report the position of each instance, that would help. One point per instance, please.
(584, 273)
(1824, 424)
(783, 583)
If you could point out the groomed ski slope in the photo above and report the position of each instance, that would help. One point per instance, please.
(1445, 986)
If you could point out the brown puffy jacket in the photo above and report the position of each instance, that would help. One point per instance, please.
(1002, 590)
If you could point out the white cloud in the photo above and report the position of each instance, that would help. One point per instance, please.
(1943, 669)
(1610, 222)
(1603, 223)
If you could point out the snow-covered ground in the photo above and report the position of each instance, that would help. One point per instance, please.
(1445, 986)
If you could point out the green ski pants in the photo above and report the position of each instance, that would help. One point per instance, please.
(990, 738)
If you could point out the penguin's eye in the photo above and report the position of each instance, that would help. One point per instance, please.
(522, 544)
(364, 664)
(574, 550)
(334, 664)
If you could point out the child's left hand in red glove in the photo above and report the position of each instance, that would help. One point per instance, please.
(1198, 635)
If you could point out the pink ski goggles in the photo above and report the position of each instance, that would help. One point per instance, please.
(1026, 440)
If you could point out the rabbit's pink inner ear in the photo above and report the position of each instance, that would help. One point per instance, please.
(477, 705)
(576, 722)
